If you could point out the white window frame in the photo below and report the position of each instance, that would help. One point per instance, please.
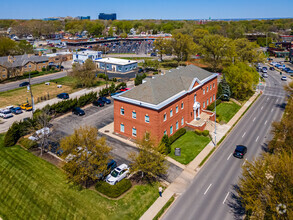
(165, 116)
(133, 114)
(207, 102)
(122, 126)
(182, 121)
(207, 89)
(134, 132)
(171, 129)
(204, 104)
(214, 85)
(214, 97)
(145, 119)
(177, 125)
(211, 87)
(165, 132)
(204, 91)
(211, 99)
(171, 113)
(182, 105)
(177, 109)
(122, 111)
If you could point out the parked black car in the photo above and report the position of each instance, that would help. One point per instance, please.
(24, 84)
(99, 103)
(78, 111)
(63, 96)
(112, 164)
(272, 68)
(105, 100)
(240, 151)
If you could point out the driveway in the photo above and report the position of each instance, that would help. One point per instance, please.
(99, 117)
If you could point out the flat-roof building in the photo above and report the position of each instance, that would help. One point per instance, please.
(82, 56)
(103, 16)
(116, 65)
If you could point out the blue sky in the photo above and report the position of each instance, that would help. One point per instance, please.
(148, 9)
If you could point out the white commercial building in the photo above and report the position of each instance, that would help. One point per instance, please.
(82, 56)
(117, 65)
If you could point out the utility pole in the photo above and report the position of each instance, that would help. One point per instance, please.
(32, 97)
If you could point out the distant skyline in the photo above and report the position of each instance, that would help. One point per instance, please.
(152, 9)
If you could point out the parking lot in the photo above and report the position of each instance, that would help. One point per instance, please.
(99, 117)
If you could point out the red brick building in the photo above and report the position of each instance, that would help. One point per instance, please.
(165, 103)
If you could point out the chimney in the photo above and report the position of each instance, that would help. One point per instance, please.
(40, 53)
(10, 59)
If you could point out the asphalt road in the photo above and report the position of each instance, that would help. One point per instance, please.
(36, 80)
(212, 193)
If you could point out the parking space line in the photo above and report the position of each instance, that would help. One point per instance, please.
(253, 119)
(208, 188)
(261, 108)
(272, 110)
(268, 98)
(244, 134)
(256, 138)
(266, 122)
(226, 197)
(229, 156)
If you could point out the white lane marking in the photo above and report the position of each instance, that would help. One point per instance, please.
(229, 156)
(253, 119)
(244, 134)
(277, 100)
(256, 138)
(225, 198)
(261, 108)
(268, 98)
(244, 162)
(208, 189)
(272, 110)
(266, 122)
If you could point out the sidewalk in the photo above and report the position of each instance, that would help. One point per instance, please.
(182, 182)
(8, 122)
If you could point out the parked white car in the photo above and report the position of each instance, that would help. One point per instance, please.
(117, 174)
(39, 134)
(5, 113)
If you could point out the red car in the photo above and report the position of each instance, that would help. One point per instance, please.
(124, 89)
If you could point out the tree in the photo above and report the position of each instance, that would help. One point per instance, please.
(241, 79)
(224, 89)
(25, 47)
(84, 73)
(7, 46)
(149, 161)
(165, 146)
(198, 34)
(86, 156)
(162, 45)
(110, 32)
(214, 49)
(183, 46)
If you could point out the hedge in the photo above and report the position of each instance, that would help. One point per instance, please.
(27, 143)
(115, 190)
(32, 73)
(212, 105)
(177, 135)
(202, 133)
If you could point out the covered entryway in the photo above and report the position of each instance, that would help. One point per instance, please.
(196, 110)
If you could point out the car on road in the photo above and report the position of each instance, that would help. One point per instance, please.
(99, 102)
(284, 78)
(24, 84)
(5, 113)
(26, 106)
(117, 174)
(153, 54)
(105, 100)
(272, 68)
(63, 96)
(264, 69)
(287, 69)
(16, 110)
(264, 75)
(78, 111)
(240, 151)
(39, 134)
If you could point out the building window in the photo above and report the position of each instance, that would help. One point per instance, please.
(134, 132)
(25, 67)
(3, 70)
(207, 102)
(122, 127)
(207, 88)
(147, 118)
(182, 121)
(182, 105)
(134, 114)
(204, 91)
(213, 85)
(108, 67)
(121, 111)
(214, 97)
(177, 125)
(165, 132)
(165, 117)
(171, 113)
(171, 129)
(30, 66)
(211, 99)
(177, 109)
(204, 104)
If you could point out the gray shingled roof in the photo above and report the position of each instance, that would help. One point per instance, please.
(21, 60)
(162, 87)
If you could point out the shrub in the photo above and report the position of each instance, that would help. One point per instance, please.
(165, 146)
(104, 92)
(205, 133)
(169, 64)
(198, 132)
(44, 69)
(177, 135)
(115, 190)
(121, 85)
(202, 133)
(155, 73)
(27, 143)
(212, 105)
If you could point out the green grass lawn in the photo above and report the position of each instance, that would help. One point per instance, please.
(191, 145)
(70, 81)
(226, 110)
(31, 188)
